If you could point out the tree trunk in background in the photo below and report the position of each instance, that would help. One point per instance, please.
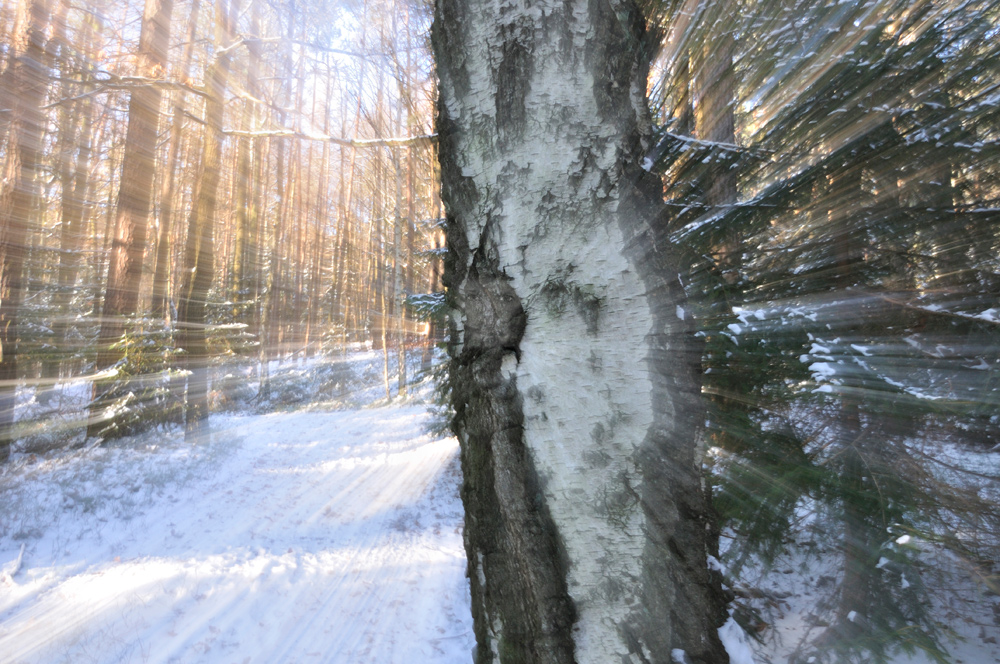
(248, 154)
(121, 299)
(715, 95)
(72, 233)
(76, 132)
(238, 287)
(272, 283)
(398, 298)
(199, 251)
(23, 92)
(161, 269)
(574, 369)
(101, 240)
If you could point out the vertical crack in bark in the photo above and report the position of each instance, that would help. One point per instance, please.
(522, 611)
(513, 81)
(511, 542)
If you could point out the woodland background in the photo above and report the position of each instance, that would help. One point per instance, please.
(193, 192)
(188, 183)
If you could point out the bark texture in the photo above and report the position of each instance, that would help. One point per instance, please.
(121, 299)
(574, 374)
(135, 192)
(199, 249)
(23, 92)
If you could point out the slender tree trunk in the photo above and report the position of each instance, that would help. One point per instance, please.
(105, 237)
(72, 230)
(199, 253)
(574, 367)
(399, 320)
(242, 232)
(256, 239)
(121, 299)
(856, 456)
(76, 133)
(714, 122)
(24, 87)
(268, 328)
(346, 265)
(161, 268)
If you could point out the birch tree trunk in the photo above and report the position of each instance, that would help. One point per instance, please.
(574, 370)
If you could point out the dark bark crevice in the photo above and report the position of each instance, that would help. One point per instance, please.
(511, 541)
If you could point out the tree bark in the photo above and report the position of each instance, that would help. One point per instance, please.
(199, 251)
(247, 154)
(161, 267)
(574, 368)
(714, 122)
(24, 86)
(121, 298)
(134, 196)
(76, 129)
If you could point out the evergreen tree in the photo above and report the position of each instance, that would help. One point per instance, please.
(863, 133)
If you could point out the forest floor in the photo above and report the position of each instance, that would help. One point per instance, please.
(305, 536)
(327, 532)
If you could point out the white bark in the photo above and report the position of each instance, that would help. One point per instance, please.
(582, 486)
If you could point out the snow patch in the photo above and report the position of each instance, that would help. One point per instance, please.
(822, 369)
(992, 315)
(735, 642)
(277, 537)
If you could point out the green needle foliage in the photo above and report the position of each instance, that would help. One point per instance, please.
(142, 394)
(845, 290)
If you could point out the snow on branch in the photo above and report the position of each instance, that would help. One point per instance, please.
(115, 82)
(424, 139)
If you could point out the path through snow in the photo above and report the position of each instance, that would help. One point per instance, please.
(291, 537)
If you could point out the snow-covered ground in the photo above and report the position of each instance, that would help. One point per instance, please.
(290, 537)
(329, 532)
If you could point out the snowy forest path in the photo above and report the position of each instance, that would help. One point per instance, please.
(290, 537)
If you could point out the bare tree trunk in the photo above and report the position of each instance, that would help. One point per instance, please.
(24, 86)
(256, 239)
(575, 371)
(714, 122)
(76, 134)
(247, 153)
(199, 254)
(134, 194)
(105, 236)
(161, 268)
(346, 264)
(121, 299)
(397, 279)
(269, 309)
